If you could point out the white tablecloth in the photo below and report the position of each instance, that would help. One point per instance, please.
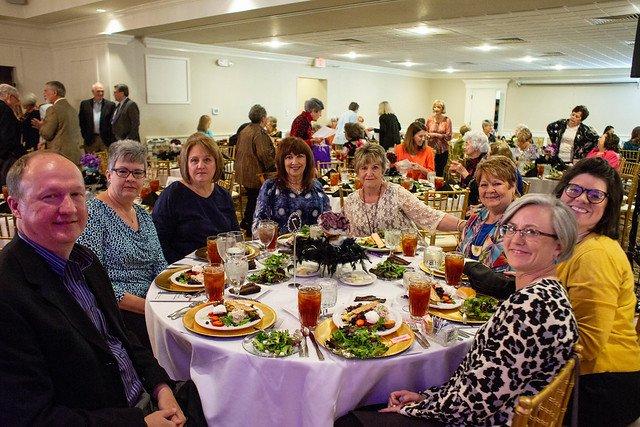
(238, 388)
(541, 186)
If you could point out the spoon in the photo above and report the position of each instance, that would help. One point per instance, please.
(303, 343)
(306, 333)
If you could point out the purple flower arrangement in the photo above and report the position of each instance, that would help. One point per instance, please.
(90, 161)
(334, 223)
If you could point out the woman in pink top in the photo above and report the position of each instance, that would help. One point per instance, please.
(439, 134)
(607, 148)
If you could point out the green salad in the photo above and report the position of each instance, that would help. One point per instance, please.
(388, 270)
(480, 308)
(353, 342)
(273, 271)
(275, 343)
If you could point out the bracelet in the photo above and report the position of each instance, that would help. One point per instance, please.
(458, 228)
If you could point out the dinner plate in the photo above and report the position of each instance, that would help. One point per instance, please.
(440, 272)
(308, 269)
(247, 344)
(446, 306)
(250, 252)
(454, 316)
(357, 278)
(337, 317)
(174, 280)
(324, 330)
(202, 319)
(268, 319)
(163, 281)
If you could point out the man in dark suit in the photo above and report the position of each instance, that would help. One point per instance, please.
(66, 357)
(126, 119)
(10, 147)
(95, 120)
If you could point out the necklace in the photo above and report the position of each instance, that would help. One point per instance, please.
(373, 228)
(295, 187)
(128, 216)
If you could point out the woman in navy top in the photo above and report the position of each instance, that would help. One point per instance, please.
(293, 189)
(190, 210)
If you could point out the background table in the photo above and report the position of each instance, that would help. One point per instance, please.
(238, 388)
(541, 186)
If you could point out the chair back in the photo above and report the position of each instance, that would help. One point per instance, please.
(228, 152)
(228, 181)
(548, 407)
(629, 173)
(7, 228)
(265, 176)
(324, 167)
(104, 161)
(630, 155)
(456, 203)
(526, 186)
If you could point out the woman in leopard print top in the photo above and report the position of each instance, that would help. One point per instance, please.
(529, 338)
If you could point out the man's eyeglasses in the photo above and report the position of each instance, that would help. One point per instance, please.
(525, 233)
(124, 173)
(593, 196)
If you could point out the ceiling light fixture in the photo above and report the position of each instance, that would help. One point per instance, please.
(408, 63)
(275, 43)
(528, 59)
(559, 67)
(450, 70)
(486, 47)
(352, 55)
(422, 30)
(101, 10)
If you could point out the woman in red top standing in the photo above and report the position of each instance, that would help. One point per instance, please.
(439, 134)
(415, 149)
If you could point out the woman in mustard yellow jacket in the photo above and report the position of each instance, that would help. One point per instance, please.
(600, 282)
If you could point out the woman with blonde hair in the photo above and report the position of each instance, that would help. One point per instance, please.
(439, 134)
(189, 210)
(204, 125)
(389, 129)
(415, 150)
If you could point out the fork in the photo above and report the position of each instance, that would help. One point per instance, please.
(182, 311)
(422, 340)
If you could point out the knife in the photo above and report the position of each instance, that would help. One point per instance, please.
(315, 344)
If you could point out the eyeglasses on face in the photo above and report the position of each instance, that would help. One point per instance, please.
(593, 196)
(124, 173)
(526, 233)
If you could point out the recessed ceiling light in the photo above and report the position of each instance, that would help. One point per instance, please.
(101, 10)
(422, 30)
(486, 47)
(450, 70)
(275, 43)
(351, 55)
(408, 63)
(528, 58)
(559, 67)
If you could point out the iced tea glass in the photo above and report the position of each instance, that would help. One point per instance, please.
(213, 281)
(453, 268)
(212, 250)
(334, 178)
(419, 296)
(409, 242)
(266, 231)
(309, 301)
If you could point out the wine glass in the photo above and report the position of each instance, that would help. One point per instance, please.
(266, 230)
(238, 236)
(224, 242)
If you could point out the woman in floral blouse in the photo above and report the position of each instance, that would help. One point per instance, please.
(439, 134)
(381, 205)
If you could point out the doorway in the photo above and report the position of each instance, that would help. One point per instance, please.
(485, 101)
(311, 88)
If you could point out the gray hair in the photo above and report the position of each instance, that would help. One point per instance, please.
(129, 151)
(478, 140)
(368, 154)
(563, 221)
(58, 87)
(29, 99)
(313, 104)
(8, 90)
(487, 122)
(257, 113)
(121, 87)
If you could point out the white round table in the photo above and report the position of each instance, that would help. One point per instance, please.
(238, 388)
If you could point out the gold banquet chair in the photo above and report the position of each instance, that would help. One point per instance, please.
(630, 155)
(629, 173)
(7, 228)
(547, 408)
(456, 203)
(324, 167)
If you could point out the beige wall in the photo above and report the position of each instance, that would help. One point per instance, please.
(452, 92)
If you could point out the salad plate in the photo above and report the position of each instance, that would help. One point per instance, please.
(356, 278)
(268, 318)
(362, 344)
(163, 281)
(273, 343)
(444, 297)
(188, 277)
(355, 313)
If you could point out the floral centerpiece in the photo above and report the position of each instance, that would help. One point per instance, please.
(91, 171)
(167, 150)
(332, 249)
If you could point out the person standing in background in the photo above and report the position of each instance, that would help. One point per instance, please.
(301, 125)
(487, 128)
(349, 116)
(60, 128)
(204, 125)
(126, 119)
(30, 135)
(570, 138)
(439, 134)
(95, 120)
(389, 129)
(10, 147)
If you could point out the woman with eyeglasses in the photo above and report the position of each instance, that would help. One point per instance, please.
(190, 210)
(122, 234)
(600, 283)
(520, 348)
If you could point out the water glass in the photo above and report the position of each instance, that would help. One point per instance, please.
(236, 267)
(433, 257)
(224, 242)
(392, 238)
(329, 297)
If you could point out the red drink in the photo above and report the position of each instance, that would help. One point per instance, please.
(5, 192)
(419, 295)
(335, 178)
(154, 185)
(213, 281)
(453, 267)
(309, 299)
(145, 192)
(409, 243)
(540, 170)
(406, 183)
(212, 250)
(439, 182)
(272, 245)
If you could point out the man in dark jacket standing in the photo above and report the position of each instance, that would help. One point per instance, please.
(10, 147)
(95, 120)
(126, 119)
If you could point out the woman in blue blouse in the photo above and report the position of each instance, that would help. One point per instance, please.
(190, 210)
(122, 234)
(293, 189)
